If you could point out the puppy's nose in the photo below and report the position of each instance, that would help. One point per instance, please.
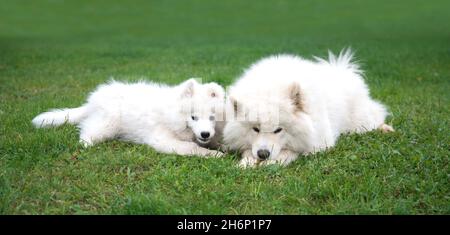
(204, 134)
(263, 154)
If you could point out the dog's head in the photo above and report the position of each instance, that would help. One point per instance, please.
(264, 124)
(202, 107)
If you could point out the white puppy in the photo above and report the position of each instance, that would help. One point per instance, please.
(169, 119)
(285, 105)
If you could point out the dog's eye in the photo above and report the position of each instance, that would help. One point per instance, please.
(212, 118)
(278, 130)
(256, 129)
(194, 118)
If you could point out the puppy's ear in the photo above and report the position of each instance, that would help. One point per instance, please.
(188, 88)
(295, 96)
(215, 91)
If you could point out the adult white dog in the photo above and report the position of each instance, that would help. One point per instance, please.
(171, 119)
(285, 105)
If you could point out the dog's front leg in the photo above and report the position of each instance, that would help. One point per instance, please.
(248, 160)
(284, 158)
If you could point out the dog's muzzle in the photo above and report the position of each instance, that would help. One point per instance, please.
(263, 154)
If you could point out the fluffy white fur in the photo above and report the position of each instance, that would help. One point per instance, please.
(171, 119)
(285, 105)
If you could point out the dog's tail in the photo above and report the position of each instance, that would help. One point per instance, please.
(345, 59)
(57, 117)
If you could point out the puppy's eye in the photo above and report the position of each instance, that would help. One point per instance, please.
(212, 118)
(195, 118)
(278, 130)
(256, 129)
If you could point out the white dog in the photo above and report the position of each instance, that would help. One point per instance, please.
(285, 105)
(169, 119)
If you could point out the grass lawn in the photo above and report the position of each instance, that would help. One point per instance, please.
(52, 53)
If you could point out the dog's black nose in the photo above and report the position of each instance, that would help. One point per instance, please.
(205, 134)
(263, 154)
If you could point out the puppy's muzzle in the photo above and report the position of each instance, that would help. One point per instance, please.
(205, 134)
(205, 137)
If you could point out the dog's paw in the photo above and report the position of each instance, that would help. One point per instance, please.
(385, 128)
(270, 162)
(86, 143)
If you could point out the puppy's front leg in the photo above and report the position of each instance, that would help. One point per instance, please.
(190, 148)
(248, 160)
(284, 158)
(172, 145)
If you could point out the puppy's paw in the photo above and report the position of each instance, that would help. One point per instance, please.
(248, 163)
(215, 154)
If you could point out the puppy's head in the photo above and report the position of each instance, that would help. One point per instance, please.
(263, 124)
(202, 106)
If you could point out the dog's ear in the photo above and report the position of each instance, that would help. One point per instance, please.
(188, 88)
(235, 105)
(295, 96)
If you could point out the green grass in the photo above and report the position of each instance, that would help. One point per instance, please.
(52, 53)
